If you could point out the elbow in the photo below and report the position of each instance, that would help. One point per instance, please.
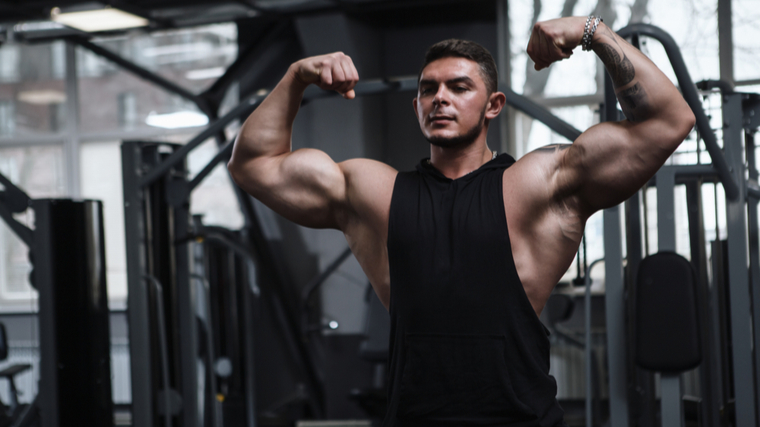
(234, 170)
(238, 170)
(681, 126)
(687, 122)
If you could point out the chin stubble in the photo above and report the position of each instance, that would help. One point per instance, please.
(462, 140)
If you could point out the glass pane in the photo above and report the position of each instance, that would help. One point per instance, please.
(32, 88)
(746, 36)
(118, 100)
(114, 99)
(695, 31)
(214, 198)
(39, 172)
(101, 179)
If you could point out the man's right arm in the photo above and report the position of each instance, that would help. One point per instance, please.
(306, 186)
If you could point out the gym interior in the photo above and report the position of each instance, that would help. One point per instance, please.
(139, 286)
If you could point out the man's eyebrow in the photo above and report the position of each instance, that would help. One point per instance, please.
(462, 79)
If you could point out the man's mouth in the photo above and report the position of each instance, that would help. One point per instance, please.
(441, 119)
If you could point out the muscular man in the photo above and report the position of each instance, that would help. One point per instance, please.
(466, 250)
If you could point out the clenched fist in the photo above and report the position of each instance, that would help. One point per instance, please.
(334, 71)
(555, 40)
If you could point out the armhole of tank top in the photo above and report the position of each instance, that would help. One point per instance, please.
(391, 210)
(524, 294)
(504, 211)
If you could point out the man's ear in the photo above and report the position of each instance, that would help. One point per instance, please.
(414, 103)
(496, 102)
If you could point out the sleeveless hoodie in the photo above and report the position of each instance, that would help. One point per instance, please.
(466, 347)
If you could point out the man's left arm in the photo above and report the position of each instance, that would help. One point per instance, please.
(610, 161)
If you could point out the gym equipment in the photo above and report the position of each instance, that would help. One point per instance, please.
(12, 409)
(67, 248)
(740, 121)
(666, 325)
(75, 351)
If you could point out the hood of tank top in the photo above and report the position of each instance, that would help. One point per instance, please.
(502, 161)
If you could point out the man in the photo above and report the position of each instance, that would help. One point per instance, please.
(466, 250)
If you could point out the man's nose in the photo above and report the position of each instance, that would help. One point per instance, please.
(441, 96)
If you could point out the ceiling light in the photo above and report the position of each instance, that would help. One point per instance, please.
(205, 73)
(92, 21)
(180, 119)
(42, 97)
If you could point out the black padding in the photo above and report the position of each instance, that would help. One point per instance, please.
(666, 320)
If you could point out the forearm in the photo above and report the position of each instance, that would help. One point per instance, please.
(267, 131)
(643, 91)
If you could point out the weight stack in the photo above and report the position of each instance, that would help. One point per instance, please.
(70, 276)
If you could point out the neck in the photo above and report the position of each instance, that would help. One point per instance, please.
(457, 162)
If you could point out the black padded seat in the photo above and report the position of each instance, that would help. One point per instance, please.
(666, 318)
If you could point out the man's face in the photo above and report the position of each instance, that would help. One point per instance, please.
(451, 102)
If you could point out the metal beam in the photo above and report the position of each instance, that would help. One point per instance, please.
(71, 147)
(741, 311)
(670, 384)
(143, 73)
(245, 108)
(504, 56)
(725, 41)
(666, 215)
(540, 113)
(140, 348)
(754, 243)
(615, 314)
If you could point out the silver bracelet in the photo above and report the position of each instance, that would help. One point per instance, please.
(589, 30)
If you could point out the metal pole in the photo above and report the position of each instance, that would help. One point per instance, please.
(741, 312)
(666, 215)
(143, 73)
(504, 56)
(540, 113)
(71, 144)
(725, 41)
(137, 297)
(671, 400)
(163, 348)
(615, 313)
(589, 347)
(754, 240)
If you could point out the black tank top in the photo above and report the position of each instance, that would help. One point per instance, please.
(466, 347)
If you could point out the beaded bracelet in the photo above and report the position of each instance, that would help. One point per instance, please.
(589, 30)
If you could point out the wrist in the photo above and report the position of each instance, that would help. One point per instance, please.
(590, 33)
(294, 78)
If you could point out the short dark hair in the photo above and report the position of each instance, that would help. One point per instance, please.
(465, 49)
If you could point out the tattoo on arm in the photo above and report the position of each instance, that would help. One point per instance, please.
(621, 69)
(635, 103)
(634, 99)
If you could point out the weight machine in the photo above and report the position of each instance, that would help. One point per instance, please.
(728, 386)
(67, 250)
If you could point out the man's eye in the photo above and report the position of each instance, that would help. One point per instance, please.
(460, 88)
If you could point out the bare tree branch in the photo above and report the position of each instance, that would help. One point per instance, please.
(639, 11)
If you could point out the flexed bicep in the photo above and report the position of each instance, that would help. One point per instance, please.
(305, 186)
(612, 160)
